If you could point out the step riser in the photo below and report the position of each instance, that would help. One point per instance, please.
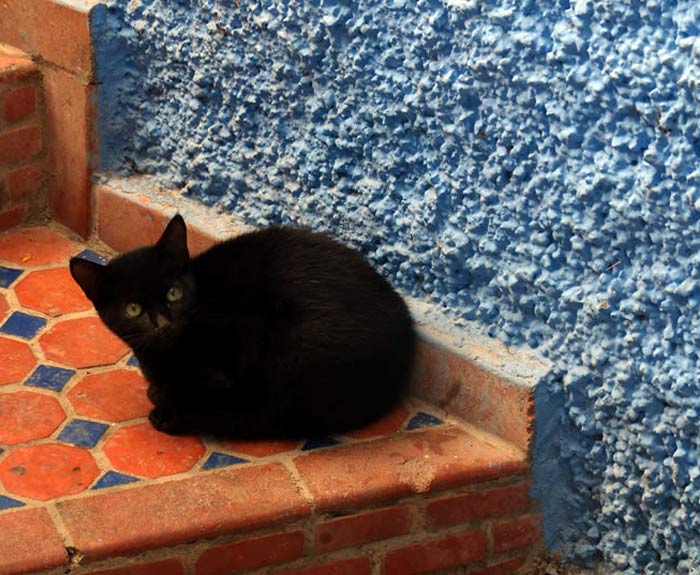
(56, 35)
(22, 141)
(413, 535)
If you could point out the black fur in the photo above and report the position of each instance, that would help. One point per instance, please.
(276, 333)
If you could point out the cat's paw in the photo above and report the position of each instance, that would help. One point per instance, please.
(168, 423)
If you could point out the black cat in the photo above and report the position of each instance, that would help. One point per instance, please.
(277, 333)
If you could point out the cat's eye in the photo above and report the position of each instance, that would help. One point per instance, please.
(174, 294)
(132, 310)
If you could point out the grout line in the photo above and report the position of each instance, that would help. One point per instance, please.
(304, 490)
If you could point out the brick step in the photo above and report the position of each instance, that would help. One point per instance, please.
(475, 379)
(82, 471)
(22, 157)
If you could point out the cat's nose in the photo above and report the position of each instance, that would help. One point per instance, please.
(161, 321)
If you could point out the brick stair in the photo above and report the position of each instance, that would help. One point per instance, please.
(81, 471)
(22, 154)
(441, 485)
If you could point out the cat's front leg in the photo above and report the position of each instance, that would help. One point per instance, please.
(170, 422)
(167, 415)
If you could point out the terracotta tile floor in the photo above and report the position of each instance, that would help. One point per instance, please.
(72, 400)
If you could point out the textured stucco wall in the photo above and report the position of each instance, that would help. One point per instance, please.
(532, 165)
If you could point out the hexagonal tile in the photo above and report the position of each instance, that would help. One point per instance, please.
(259, 448)
(112, 396)
(84, 342)
(390, 423)
(4, 308)
(53, 292)
(35, 247)
(17, 360)
(25, 415)
(141, 450)
(47, 471)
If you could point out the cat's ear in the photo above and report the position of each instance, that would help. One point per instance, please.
(173, 242)
(88, 276)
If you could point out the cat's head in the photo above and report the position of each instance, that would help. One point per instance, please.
(147, 295)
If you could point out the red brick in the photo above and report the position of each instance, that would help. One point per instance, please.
(428, 556)
(142, 450)
(505, 568)
(516, 533)
(462, 388)
(390, 468)
(20, 103)
(20, 144)
(56, 31)
(479, 505)
(12, 217)
(164, 567)
(26, 415)
(35, 247)
(70, 128)
(355, 566)
(123, 223)
(53, 292)
(25, 181)
(84, 342)
(13, 68)
(48, 470)
(363, 528)
(127, 221)
(235, 500)
(29, 542)
(251, 553)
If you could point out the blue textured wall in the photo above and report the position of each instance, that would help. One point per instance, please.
(531, 165)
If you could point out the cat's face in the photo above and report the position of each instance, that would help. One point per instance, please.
(145, 296)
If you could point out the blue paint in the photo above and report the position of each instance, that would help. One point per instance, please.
(83, 432)
(319, 443)
(50, 377)
(112, 479)
(530, 165)
(216, 460)
(23, 325)
(9, 503)
(422, 419)
(93, 256)
(8, 276)
(133, 362)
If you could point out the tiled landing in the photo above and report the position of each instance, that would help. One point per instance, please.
(87, 483)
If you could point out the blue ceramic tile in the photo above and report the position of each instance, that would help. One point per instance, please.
(8, 276)
(319, 443)
(23, 325)
(422, 419)
(82, 432)
(112, 479)
(133, 361)
(50, 377)
(9, 503)
(93, 256)
(221, 460)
